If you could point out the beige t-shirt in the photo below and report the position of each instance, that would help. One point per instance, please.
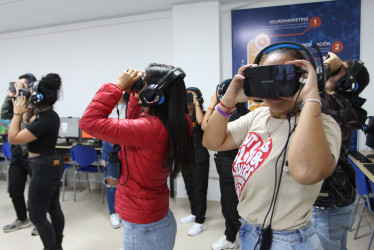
(254, 172)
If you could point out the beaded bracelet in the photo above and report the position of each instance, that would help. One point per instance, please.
(226, 115)
(310, 100)
(223, 105)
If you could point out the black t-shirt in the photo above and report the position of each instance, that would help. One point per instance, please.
(45, 127)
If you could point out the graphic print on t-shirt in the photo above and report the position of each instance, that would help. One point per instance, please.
(252, 153)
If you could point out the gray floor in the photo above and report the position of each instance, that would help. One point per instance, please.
(88, 228)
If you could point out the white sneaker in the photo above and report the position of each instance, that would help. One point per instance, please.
(224, 244)
(196, 229)
(114, 221)
(188, 219)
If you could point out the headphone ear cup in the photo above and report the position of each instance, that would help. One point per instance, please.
(150, 96)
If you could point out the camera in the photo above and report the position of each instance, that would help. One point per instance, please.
(24, 92)
(12, 88)
(189, 97)
(272, 81)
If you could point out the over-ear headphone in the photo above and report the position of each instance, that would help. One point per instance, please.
(221, 89)
(296, 46)
(32, 79)
(36, 97)
(198, 93)
(153, 94)
(349, 84)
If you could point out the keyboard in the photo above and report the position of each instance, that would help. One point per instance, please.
(358, 156)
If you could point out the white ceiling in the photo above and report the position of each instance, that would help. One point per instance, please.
(21, 15)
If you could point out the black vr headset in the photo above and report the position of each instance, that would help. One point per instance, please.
(349, 84)
(274, 81)
(221, 89)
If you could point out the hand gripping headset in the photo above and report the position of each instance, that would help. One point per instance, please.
(36, 97)
(198, 93)
(278, 80)
(349, 84)
(153, 94)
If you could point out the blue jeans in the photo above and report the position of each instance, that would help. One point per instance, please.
(109, 172)
(332, 225)
(298, 239)
(159, 235)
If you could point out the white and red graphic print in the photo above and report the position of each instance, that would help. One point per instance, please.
(250, 157)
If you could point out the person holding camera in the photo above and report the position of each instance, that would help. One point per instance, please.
(285, 151)
(46, 165)
(224, 160)
(196, 180)
(334, 209)
(19, 167)
(154, 144)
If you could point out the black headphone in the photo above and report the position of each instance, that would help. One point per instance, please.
(198, 93)
(36, 97)
(153, 94)
(349, 84)
(221, 88)
(32, 79)
(297, 46)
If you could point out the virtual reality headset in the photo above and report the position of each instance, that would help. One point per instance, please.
(272, 81)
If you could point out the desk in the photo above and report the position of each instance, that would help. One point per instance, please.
(361, 166)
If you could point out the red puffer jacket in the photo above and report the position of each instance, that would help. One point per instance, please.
(145, 197)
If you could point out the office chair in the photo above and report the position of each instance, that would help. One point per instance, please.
(7, 156)
(85, 160)
(63, 178)
(363, 191)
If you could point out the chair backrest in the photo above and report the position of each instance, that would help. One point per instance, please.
(6, 150)
(362, 183)
(83, 155)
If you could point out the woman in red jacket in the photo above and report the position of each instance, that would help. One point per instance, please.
(154, 144)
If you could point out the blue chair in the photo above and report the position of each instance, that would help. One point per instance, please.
(85, 160)
(7, 157)
(363, 191)
(63, 178)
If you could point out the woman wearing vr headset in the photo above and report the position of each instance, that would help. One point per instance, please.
(46, 165)
(334, 209)
(196, 180)
(279, 168)
(154, 144)
(224, 160)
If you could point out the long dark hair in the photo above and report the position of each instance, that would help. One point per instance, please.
(173, 114)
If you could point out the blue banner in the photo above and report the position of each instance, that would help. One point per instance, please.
(333, 25)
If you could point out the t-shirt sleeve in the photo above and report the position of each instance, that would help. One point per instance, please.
(333, 135)
(239, 128)
(38, 127)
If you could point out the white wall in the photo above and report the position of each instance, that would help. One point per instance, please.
(196, 37)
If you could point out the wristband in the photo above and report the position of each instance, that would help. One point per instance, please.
(310, 100)
(223, 105)
(226, 115)
(17, 114)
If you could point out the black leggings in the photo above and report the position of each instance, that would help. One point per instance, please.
(44, 194)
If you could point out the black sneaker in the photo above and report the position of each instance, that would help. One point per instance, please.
(34, 232)
(17, 224)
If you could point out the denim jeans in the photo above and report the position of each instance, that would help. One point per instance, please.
(298, 239)
(106, 149)
(19, 169)
(159, 235)
(44, 194)
(332, 225)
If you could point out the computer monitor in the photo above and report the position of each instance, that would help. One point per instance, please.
(370, 133)
(69, 129)
(85, 135)
(4, 126)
